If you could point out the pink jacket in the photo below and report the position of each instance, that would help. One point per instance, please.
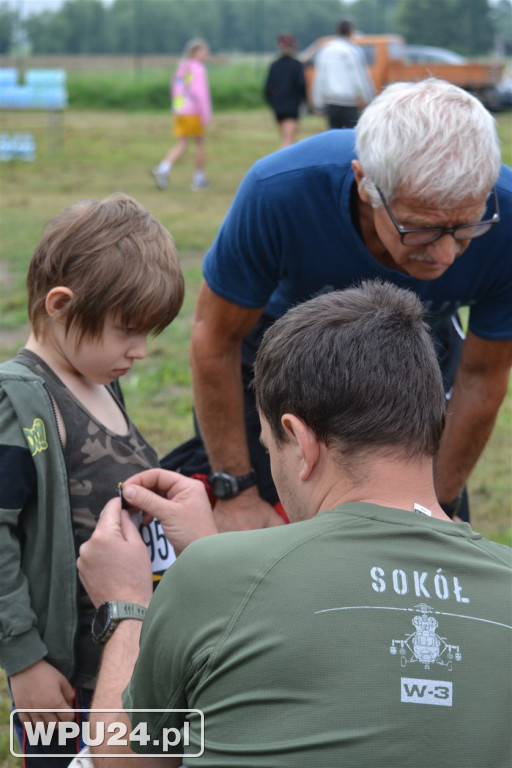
(190, 91)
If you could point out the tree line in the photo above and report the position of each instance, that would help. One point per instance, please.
(470, 27)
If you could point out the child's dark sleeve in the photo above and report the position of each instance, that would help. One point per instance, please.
(17, 476)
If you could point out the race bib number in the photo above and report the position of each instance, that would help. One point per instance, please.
(160, 549)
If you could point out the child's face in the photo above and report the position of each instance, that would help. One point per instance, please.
(106, 358)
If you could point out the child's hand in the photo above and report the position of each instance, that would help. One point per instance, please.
(42, 686)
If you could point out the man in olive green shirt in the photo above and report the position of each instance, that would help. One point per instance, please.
(371, 631)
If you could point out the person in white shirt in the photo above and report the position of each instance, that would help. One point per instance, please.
(342, 85)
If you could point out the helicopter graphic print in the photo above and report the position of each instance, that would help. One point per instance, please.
(425, 646)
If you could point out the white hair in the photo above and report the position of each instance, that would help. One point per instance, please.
(431, 139)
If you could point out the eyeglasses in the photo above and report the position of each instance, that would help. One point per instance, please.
(428, 235)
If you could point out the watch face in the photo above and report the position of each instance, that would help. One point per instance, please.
(101, 620)
(223, 485)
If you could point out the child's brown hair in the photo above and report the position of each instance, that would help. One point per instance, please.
(116, 258)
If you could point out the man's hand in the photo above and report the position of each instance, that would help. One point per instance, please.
(245, 512)
(180, 504)
(42, 686)
(114, 563)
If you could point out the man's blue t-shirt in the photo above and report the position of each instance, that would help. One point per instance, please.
(290, 235)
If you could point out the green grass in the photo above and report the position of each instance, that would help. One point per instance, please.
(233, 85)
(104, 152)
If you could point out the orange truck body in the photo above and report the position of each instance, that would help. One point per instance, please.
(387, 63)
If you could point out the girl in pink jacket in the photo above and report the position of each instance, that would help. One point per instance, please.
(192, 109)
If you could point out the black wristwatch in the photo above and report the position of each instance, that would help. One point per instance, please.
(108, 616)
(224, 486)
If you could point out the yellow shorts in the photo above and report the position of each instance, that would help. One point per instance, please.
(187, 126)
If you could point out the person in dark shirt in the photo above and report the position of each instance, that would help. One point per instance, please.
(285, 88)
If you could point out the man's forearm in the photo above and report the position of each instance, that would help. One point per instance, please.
(118, 660)
(216, 363)
(215, 360)
(472, 413)
(219, 405)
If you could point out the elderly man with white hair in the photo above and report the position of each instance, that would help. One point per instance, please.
(416, 196)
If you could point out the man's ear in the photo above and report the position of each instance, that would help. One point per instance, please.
(57, 302)
(306, 444)
(359, 176)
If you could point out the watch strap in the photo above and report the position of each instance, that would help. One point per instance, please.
(246, 481)
(117, 611)
(122, 610)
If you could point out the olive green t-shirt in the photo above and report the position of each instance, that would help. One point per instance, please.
(363, 637)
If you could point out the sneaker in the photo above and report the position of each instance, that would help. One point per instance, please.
(197, 185)
(161, 179)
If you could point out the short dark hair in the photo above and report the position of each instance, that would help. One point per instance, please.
(345, 27)
(115, 257)
(359, 368)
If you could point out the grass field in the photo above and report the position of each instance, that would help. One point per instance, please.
(101, 153)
